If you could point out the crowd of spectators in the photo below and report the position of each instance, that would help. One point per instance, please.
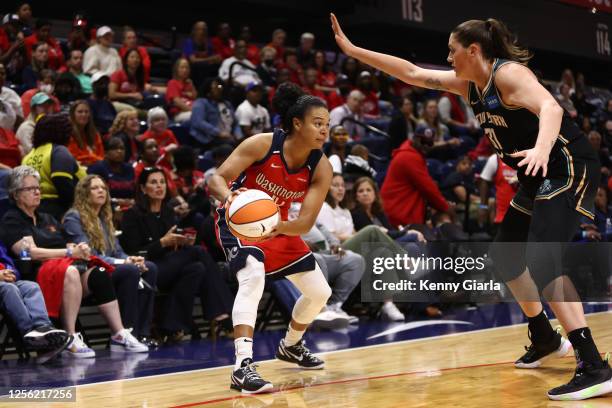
(92, 147)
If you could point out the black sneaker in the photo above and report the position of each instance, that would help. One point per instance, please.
(300, 355)
(558, 347)
(45, 355)
(248, 380)
(44, 338)
(589, 381)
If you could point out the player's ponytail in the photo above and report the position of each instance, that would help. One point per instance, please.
(495, 39)
(290, 102)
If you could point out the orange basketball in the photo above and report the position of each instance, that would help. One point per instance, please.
(252, 215)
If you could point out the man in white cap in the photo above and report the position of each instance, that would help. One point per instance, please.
(101, 57)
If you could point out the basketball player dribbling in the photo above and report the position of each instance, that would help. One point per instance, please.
(558, 175)
(290, 166)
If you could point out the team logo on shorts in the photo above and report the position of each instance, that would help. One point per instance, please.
(545, 187)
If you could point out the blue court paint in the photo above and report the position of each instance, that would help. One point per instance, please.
(207, 354)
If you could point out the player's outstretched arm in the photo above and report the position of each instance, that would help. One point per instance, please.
(248, 152)
(400, 68)
(313, 201)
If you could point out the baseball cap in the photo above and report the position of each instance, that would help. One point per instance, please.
(39, 99)
(102, 31)
(10, 18)
(95, 77)
(252, 85)
(425, 132)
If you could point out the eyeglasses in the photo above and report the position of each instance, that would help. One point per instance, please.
(29, 189)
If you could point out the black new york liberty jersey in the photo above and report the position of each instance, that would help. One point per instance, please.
(513, 129)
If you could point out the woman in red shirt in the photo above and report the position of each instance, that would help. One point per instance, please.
(130, 40)
(180, 92)
(85, 142)
(128, 85)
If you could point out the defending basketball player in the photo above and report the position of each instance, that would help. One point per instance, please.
(288, 165)
(558, 180)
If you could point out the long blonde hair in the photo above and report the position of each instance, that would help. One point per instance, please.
(92, 222)
(120, 121)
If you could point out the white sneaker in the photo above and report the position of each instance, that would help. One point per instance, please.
(337, 307)
(78, 349)
(124, 341)
(330, 319)
(391, 312)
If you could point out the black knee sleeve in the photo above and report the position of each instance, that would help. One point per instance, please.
(101, 286)
(508, 250)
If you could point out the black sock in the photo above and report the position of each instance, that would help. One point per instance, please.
(540, 328)
(584, 346)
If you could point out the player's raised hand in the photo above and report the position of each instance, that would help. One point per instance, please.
(343, 42)
(535, 159)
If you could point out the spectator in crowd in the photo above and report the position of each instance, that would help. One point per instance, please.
(190, 182)
(445, 145)
(337, 219)
(305, 52)
(130, 41)
(67, 91)
(279, 36)
(102, 57)
(24, 14)
(22, 302)
(252, 49)
(67, 272)
(46, 85)
(459, 187)
(603, 153)
(150, 157)
(118, 175)
(338, 95)
(369, 207)
(85, 143)
(219, 154)
(102, 109)
(457, 115)
(337, 150)
(42, 34)
(74, 67)
(505, 180)
(10, 153)
(90, 220)
(213, 120)
(586, 126)
(126, 127)
(12, 50)
(180, 92)
(32, 73)
(223, 43)
(78, 37)
(157, 121)
(40, 104)
(10, 98)
(252, 117)
(357, 164)
(565, 100)
(151, 226)
(604, 115)
(310, 84)
(198, 49)
(350, 68)
(351, 109)
(370, 107)
(296, 72)
(403, 124)
(326, 77)
(127, 86)
(567, 78)
(266, 70)
(240, 75)
(58, 169)
(408, 188)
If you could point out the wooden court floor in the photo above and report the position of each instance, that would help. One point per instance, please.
(461, 370)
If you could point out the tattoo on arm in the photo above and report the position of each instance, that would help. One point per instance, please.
(434, 84)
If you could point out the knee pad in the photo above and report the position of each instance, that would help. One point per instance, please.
(101, 286)
(251, 283)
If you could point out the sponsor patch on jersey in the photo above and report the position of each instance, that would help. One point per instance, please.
(492, 102)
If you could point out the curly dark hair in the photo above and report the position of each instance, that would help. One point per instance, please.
(53, 128)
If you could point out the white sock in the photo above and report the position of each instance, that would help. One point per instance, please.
(244, 349)
(293, 336)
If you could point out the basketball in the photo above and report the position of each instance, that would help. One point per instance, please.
(252, 215)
